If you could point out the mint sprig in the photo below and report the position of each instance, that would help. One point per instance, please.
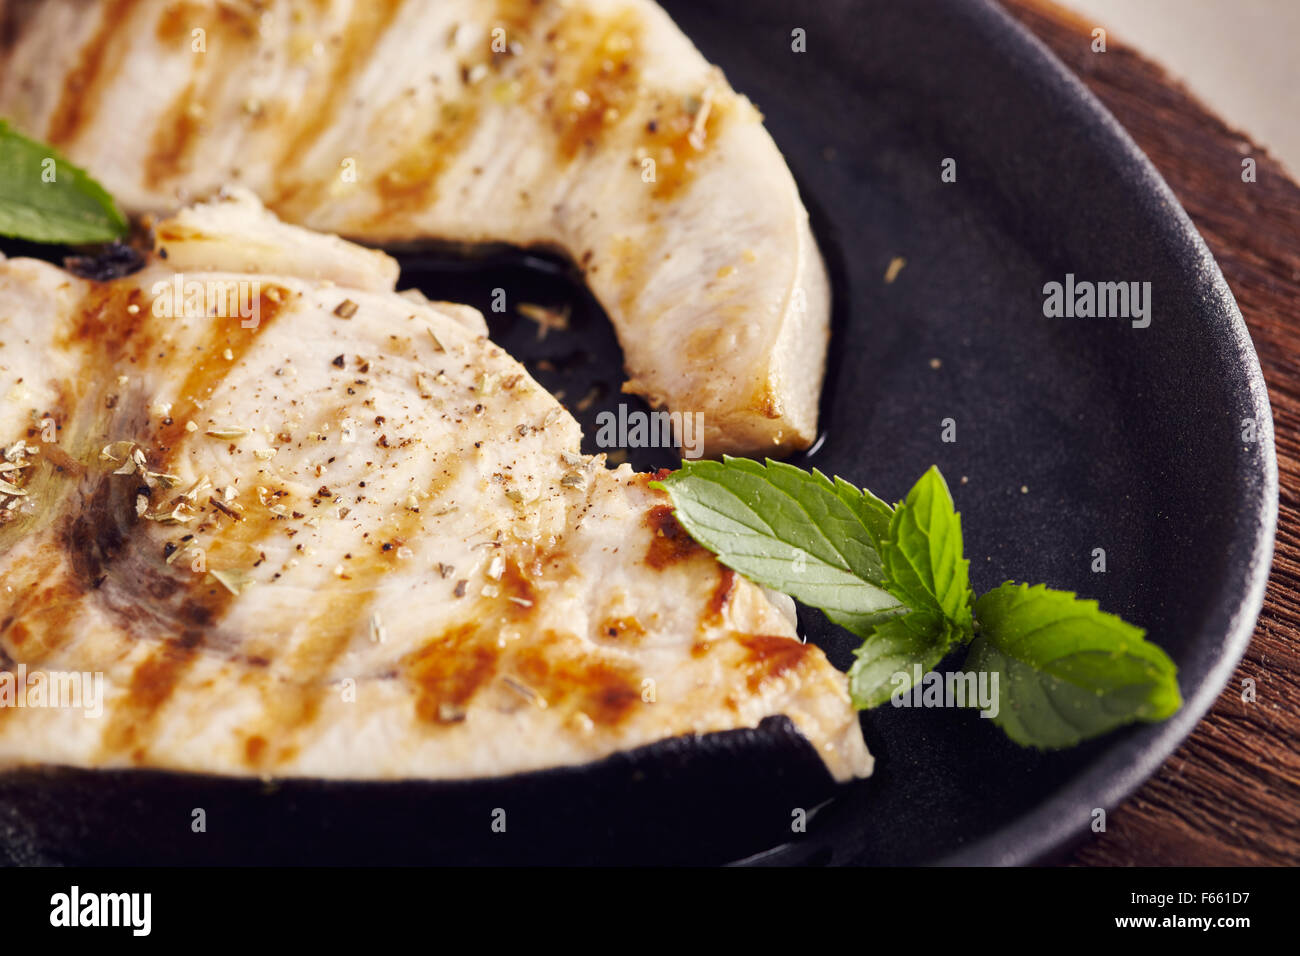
(897, 577)
(45, 198)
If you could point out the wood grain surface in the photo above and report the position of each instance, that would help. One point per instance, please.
(1230, 795)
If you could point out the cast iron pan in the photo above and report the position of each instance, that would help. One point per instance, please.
(1126, 439)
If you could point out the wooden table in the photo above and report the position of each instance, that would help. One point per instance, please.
(1231, 793)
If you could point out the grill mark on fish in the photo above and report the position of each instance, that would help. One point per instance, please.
(677, 146)
(449, 670)
(722, 593)
(153, 682)
(39, 592)
(99, 60)
(445, 683)
(290, 708)
(605, 690)
(104, 332)
(367, 24)
(411, 182)
(670, 543)
(769, 657)
(161, 605)
(204, 375)
(173, 139)
(179, 130)
(598, 58)
(179, 20)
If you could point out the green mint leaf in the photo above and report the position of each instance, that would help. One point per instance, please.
(794, 531)
(44, 198)
(922, 555)
(893, 649)
(1066, 670)
(871, 511)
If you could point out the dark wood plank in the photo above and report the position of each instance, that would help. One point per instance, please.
(1231, 793)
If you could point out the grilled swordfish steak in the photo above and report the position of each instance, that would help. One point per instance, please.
(594, 126)
(305, 525)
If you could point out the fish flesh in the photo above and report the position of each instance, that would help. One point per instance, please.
(591, 126)
(302, 525)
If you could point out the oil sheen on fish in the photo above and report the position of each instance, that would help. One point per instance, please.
(591, 125)
(305, 525)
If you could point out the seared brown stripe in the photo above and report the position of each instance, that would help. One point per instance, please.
(449, 670)
(669, 542)
(411, 183)
(206, 373)
(152, 685)
(179, 20)
(722, 593)
(99, 59)
(367, 23)
(677, 148)
(601, 58)
(341, 612)
(228, 32)
(173, 139)
(559, 669)
(36, 612)
(768, 657)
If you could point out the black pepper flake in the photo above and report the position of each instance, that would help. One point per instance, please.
(338, 361)
(460, 587)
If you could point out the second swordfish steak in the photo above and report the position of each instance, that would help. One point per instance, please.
(590, 125)
(308, 526)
